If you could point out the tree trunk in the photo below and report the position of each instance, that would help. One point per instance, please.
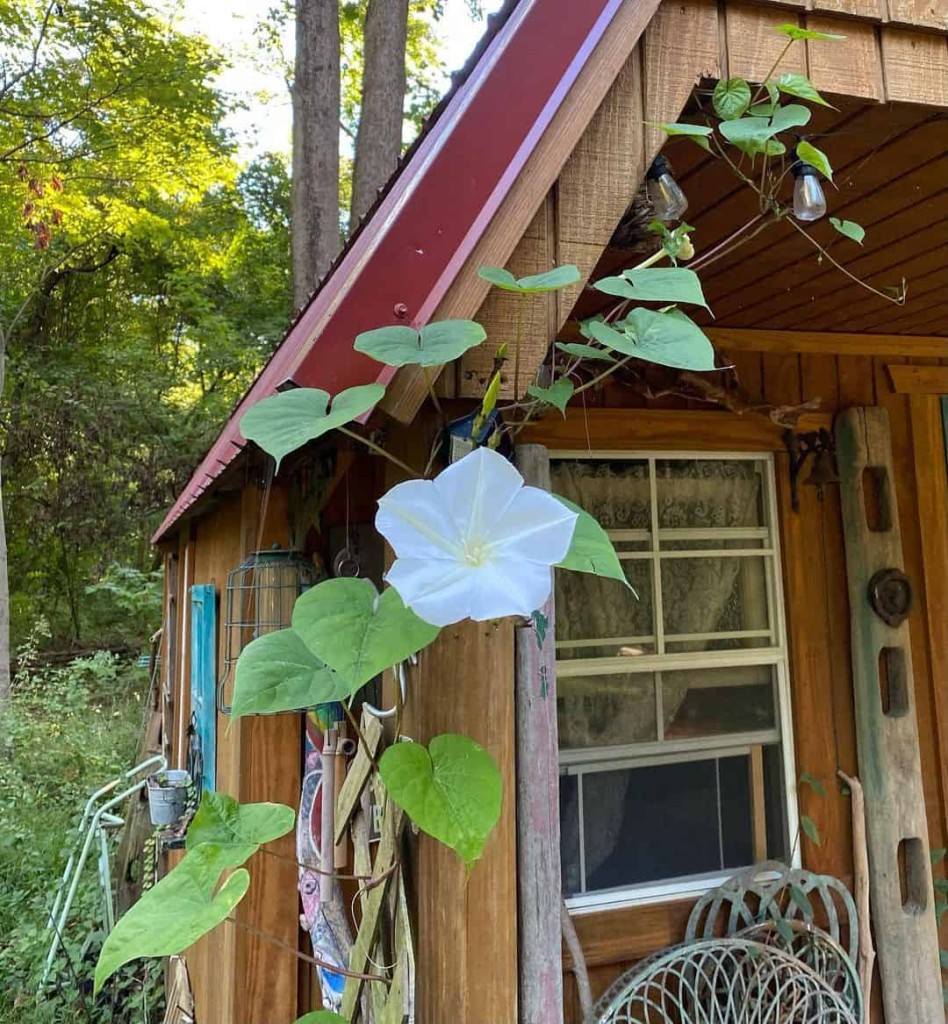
(4, 586)
(379, 139)
(315, 194)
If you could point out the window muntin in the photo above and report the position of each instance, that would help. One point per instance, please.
(681, 692)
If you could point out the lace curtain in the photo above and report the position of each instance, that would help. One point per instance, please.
(699, 595)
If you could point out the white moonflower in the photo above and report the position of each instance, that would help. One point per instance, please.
(475, 542)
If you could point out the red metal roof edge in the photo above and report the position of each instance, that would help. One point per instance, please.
(408, 251)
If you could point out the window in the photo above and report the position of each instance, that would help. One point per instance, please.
(673, 706)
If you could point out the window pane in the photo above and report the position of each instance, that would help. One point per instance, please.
(737, 845)
(607, 710)
(569, 834)
(713, 595)
(708, 493)
(616, 493)
(643, 824)
(713, 702)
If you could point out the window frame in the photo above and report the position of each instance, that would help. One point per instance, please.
(579, 761)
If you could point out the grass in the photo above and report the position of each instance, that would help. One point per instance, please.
(69, 730)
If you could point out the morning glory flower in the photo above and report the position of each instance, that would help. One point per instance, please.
(475, 542)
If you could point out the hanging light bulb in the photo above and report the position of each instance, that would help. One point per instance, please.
(668, 201)
(809, 201)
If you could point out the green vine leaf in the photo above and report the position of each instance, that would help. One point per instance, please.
(435, 344)
(849, 228)
(669, 339)
(590, 550)
(557, 394)
(284, 422)
(666, 284)
(534, 284)
(321, 1017)
(698, 133)
(358, 632)
(572, 348)
(753, 135)
(809, 154)
(277, 672)
(808, 779)
(452, 790)
(173, 914)
(731, 98)
(222, 821)
(809, 829)
(795, 33)
(793, 84)
(793, 115)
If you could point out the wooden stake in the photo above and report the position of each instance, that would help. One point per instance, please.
(867, 954)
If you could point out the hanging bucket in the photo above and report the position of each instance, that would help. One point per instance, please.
(167, 802)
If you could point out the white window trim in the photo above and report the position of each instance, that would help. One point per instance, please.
(777, 655)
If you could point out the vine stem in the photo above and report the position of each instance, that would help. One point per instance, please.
(379, 450)
(435, 401)
(899, 301)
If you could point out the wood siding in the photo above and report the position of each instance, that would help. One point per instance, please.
(817, 605)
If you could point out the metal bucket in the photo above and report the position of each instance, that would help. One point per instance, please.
(167, 803)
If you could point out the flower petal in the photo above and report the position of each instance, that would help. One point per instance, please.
(536, 527)
(477, 490)
(436, 590)
(414, 518)
(509, 586)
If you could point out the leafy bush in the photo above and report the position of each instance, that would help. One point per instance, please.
(68, 731)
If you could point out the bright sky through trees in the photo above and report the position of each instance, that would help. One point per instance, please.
(266, 122)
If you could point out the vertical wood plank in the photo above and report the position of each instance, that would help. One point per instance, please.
(850, 66)
(921, 13)
(753, 45)
(889, 761)
(539, 881)
(873, 9)
(467, 927)
(915, 66)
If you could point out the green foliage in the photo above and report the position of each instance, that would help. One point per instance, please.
(809, 154)
(287, 421)
(534, 284)
(452, 790)
(655, 284)
(578, 351)
(808, 826)
(434, 344)
(70, 729)
(358, 632)
(557, 394)
(591, 550)
(321, 1017)
(849, 229)
(224, 822)
(808, 779)
(669, 339)
(278, 672)
(696, 132)
(794, 32)
(731, 98)
(791, 83)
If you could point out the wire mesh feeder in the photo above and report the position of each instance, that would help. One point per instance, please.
(259, 599)
(722, 981)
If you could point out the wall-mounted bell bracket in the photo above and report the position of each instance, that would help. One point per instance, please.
(821, 445)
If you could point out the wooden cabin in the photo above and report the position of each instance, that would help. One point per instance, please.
(682, 763)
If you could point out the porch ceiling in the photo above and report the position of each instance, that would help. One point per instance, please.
(891, 163)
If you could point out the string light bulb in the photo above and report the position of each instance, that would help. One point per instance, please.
(668, 201)
(809, 200)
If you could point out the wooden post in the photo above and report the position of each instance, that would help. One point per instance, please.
(538, 815)
(887, 730)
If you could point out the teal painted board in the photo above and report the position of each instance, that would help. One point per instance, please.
(204, 678)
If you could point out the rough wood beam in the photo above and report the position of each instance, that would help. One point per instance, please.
(918, 380)
(671, 429)
(743, 339)
(407, 392)
(915, 66)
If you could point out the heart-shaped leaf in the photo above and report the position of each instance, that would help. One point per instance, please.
(795, 32)
(434, 344)
(731, 98)
(321, 1017)
(452, 790)
(670, 339)
(278, 672)
(793, 84)
(284, 422)
(172, 915)
(572, 348)
(591, 550)
(666, 284)
(809, 154)
(849, 228)
(558, 393)
(222, 821)
(356, 631)
(533, 284)
(748, 133)
(793, 115)
(696, 132)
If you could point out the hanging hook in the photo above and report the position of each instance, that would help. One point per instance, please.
(402, 685)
